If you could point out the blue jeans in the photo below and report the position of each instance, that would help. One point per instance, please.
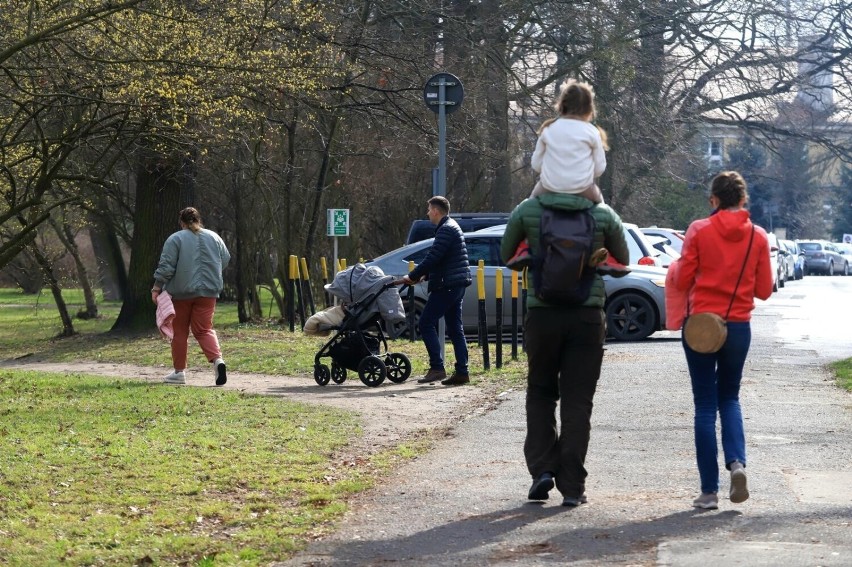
(716, 387)
(446, 303)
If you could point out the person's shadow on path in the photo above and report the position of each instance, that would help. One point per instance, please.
(438, 545)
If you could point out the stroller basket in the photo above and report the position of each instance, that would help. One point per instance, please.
(352, 348)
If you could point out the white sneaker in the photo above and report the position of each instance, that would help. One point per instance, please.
(220, 370)
(176, 377)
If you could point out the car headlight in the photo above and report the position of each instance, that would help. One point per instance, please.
(659, 283)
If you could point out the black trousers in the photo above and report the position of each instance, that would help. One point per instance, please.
(564, 352)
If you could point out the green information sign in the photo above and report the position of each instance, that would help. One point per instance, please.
(337, 223)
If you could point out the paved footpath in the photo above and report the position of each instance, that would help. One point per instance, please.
(465, 503)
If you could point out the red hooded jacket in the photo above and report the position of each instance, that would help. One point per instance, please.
(713, 253)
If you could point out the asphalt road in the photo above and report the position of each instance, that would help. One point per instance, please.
(465, 503)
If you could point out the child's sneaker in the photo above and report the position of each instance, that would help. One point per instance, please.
(612, 268)
(521, 259)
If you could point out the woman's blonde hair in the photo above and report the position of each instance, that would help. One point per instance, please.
(576, 99)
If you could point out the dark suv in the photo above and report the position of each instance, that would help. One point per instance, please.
(469, 222)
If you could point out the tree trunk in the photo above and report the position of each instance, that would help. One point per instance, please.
(158, 202)
(322, 179)
(63, 232)
(50, 278)
(497, 106)
(112, 273)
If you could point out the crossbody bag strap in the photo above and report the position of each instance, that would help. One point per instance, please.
(734, 295)
(742, 271)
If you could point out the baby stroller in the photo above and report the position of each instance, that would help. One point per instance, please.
(359, 342)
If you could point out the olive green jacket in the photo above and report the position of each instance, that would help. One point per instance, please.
(524, 223)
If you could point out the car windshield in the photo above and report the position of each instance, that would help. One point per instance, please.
(810, 246)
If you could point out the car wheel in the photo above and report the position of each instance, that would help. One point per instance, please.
(631, 317)
(781, 280)
(845, 268)
(830, 271)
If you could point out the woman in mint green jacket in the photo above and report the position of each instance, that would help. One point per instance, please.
(190, 270)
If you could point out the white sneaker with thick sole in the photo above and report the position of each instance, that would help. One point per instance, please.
(176, 377)
(220, 371)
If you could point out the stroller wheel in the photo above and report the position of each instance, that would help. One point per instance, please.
(399, 367)
(372, 371)
(338, 374)
(321, 374)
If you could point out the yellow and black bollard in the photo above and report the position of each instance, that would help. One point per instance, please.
(306, 286)
(483, 321)
(514, 284)
(299, 293)
(293, 273)
(324, 269)
(498, 308)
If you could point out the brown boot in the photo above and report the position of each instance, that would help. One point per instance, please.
(457, 379)
(433, 375)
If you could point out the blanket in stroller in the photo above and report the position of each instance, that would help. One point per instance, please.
(358, 283)
(321, 323)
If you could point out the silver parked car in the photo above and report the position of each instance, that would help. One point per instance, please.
(822, 257)
(635, 306)
(845, 250)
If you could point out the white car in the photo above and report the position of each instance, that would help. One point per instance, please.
(674, 238)
(779, 271)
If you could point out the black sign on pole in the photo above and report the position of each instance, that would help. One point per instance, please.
(442, 94)
(453, 93)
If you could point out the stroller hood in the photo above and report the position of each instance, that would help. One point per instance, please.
(358, 282)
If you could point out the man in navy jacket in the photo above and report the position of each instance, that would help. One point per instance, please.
(447, 269)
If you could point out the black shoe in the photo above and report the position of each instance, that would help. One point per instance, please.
(433, 375)
(457, 379)
(221, 372)
(574, 500)
(541, 486)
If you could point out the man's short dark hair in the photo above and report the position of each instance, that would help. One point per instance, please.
(440, 203)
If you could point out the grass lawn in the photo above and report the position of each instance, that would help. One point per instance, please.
(99, 471)
(843, 372)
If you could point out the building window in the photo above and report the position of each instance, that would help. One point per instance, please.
(714, 151)
(714, 148)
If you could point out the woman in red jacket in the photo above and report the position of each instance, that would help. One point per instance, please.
(714, 255)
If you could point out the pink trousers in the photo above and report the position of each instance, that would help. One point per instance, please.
(194, 314)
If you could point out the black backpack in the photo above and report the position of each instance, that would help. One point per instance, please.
(561, 271)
